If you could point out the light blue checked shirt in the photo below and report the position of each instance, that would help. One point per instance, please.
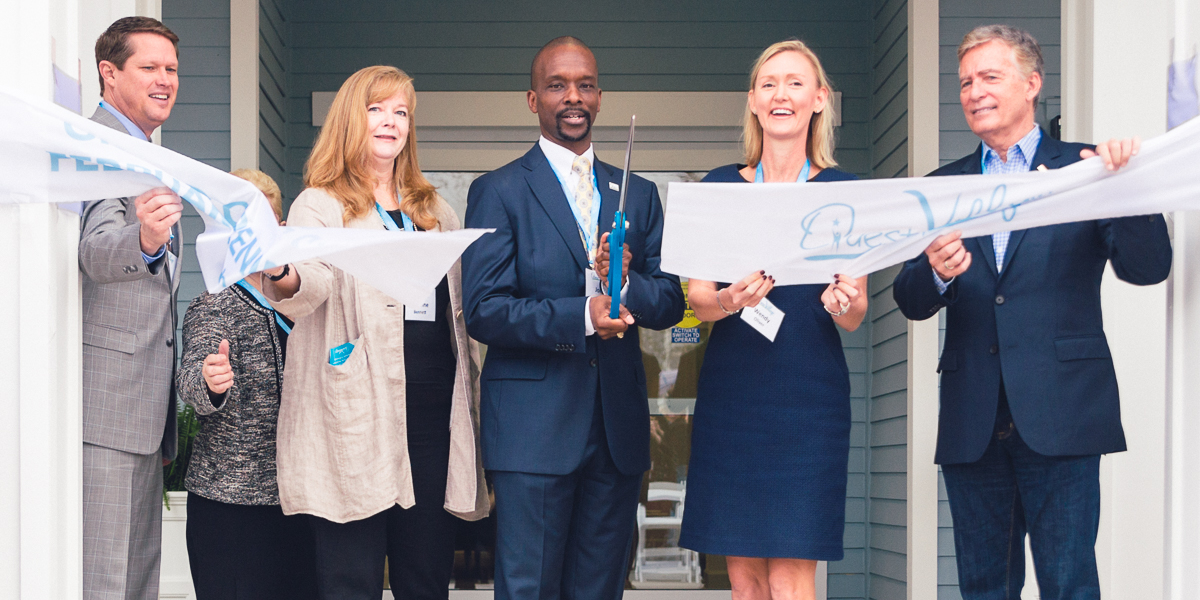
(1019, 157)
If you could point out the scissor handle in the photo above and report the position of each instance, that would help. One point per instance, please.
(616, 260)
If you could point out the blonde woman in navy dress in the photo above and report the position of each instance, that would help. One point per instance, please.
(767, 476)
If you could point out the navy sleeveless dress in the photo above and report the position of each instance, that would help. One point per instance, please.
(771, 435)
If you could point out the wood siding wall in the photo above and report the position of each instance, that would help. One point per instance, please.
(887, 558)
(273, 56)
(199, 123)
(847, 577)
(640, 46)
(888, 440)
(310, 45)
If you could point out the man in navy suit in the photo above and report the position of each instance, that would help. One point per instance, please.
(1028, 391)
(564, 418)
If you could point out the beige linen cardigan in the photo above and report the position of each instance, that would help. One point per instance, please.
(342, 446)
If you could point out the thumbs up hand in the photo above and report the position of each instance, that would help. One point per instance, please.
(216, 370)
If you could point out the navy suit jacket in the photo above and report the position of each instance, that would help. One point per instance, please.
(1036, 326)
(524, 298)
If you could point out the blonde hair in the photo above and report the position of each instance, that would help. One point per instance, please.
(819, 146)
(266, 185)
(339, 158)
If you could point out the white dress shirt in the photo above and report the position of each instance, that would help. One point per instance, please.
(561, 159)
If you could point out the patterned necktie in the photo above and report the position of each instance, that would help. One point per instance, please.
(583, 199)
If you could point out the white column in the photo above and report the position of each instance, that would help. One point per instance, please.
(1114, 85)
(40, 456)
(922, 502)
(1182, 553)
(41, 359)
(243, 84)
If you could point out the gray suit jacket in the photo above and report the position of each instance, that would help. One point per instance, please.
(128, 329)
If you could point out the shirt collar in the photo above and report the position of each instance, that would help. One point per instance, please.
(561, 158)
(1027, 145)
(133, 130)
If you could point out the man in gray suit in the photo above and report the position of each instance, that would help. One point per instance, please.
(128, 252)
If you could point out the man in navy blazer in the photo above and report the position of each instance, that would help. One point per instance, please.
(564, 418)
(1028, 391)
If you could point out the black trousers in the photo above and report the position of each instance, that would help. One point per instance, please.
(418, 541)
(240, 552)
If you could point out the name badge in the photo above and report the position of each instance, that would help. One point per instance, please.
(338, 355)
(423, 312)
(591, 283)
(764, 318)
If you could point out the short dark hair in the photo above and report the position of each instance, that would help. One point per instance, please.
(565, 40)
(113, 44)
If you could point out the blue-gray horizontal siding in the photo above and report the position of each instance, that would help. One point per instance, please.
(889, 90)
(640, 46)
(847, 577)
(887, 558)
(466, 46)
(273, 53)
(888, 443)
(199, 123)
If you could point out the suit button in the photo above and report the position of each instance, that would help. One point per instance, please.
(593, 362)
(999, 299)
(170, 342)
(994, 349)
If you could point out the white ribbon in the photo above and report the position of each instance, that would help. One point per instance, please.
(48, 154)
(807, 233)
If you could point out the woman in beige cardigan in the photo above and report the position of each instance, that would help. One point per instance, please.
(379, 426)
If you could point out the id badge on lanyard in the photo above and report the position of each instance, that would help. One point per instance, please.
(766, 317)
(425, 310)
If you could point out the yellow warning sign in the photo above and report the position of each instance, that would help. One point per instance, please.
(689, 315)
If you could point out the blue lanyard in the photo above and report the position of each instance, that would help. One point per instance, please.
(263, 301)
(803, 178)
(390, 223)
(586, 228)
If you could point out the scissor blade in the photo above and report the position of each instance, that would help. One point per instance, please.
(625, 174)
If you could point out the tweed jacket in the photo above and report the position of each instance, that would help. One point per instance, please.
(128, 329)
(233, 457)
(343, 450)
